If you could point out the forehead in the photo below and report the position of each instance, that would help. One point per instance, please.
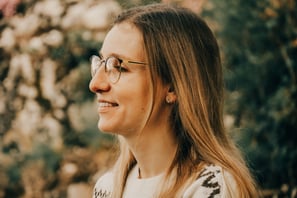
(125, 40)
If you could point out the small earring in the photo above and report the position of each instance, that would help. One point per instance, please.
(168, 99)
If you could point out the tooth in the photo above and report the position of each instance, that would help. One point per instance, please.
(105, 104)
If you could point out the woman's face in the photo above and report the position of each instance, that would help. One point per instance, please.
(124, 106)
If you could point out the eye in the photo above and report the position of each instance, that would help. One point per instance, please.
(116, 63)
(120, 68)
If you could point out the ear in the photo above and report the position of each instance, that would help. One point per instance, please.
(170, 96)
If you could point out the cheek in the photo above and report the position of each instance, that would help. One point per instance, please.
(139, 97)
(140, 100)
(138, 88)
(134, 94)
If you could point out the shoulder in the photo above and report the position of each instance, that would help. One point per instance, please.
(213, 181)
(103, 187)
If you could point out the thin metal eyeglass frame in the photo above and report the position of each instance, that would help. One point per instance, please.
(96, 63)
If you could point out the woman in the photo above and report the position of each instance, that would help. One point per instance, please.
(158, 81)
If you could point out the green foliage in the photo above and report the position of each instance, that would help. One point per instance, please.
(259, 42)
(44, 153)
(43, 161)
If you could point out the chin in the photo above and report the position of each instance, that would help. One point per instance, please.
(106, 129)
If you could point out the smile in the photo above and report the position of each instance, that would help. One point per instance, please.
(104, 105)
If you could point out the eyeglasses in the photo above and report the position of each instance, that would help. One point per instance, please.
(112, 66)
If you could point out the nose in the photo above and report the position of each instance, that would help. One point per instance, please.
(99, 82)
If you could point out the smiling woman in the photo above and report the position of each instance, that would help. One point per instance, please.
(158, 82)
(122, 89)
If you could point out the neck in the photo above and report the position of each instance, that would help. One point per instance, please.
(154, 151)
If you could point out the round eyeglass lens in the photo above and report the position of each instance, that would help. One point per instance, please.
(113, 68)
(95, 64)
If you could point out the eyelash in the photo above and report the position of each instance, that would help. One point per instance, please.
(123, 69)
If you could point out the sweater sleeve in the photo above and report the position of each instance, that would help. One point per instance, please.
(212, 182)
(103, 186)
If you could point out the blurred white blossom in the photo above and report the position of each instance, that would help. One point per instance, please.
(37, 46)
(74, 115)
(59, 101)
(90, 16)
(27, 70)
(48, 82)
(27, 91)
(25, 26)
(100, 15)
(48, 77)
(69, 169)
(59, 114)
(53, 38)
(18, 103)
(28, 118)
(7, 40)
(229, 121)
(20, 66)
(54, 127)
(49, 8)
(73, 15)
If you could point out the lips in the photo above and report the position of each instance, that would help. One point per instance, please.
(105, 105)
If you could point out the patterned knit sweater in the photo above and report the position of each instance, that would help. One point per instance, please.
(213, 182)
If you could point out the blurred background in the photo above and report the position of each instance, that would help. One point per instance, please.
(49, 142)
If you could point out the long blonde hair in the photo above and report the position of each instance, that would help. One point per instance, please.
(183, 52)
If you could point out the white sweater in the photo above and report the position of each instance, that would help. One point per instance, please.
(213, 182)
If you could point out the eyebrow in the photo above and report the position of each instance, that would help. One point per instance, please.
(115, 55)
(123, 58)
